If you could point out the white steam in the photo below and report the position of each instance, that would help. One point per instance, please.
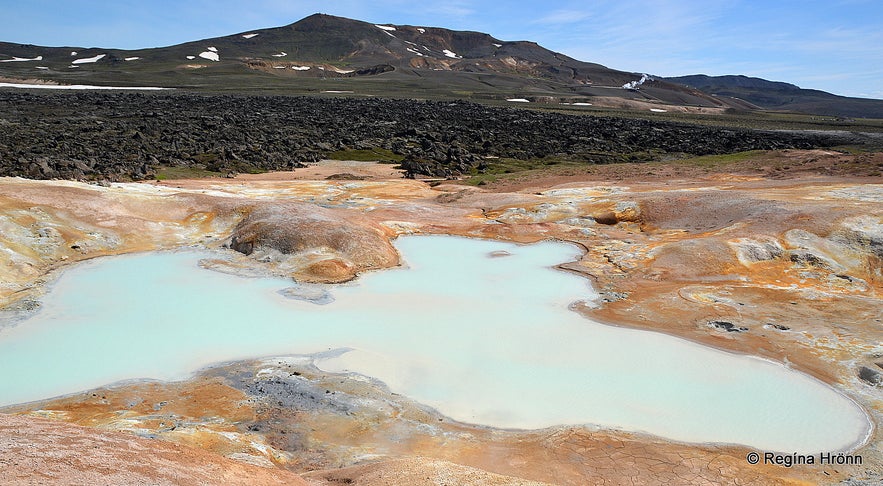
(635, 84)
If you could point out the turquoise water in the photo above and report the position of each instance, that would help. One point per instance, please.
(486, 340)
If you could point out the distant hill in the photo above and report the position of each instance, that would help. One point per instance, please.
(324, 53)
(773, 95)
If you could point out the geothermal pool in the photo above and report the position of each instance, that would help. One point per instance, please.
(483, 336)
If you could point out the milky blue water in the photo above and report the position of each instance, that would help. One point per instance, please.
(487, 340)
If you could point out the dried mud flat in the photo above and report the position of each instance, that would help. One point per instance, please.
(788, 269)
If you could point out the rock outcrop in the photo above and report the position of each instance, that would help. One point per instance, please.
(313, 243)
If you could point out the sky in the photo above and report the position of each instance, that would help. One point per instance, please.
(834, 45)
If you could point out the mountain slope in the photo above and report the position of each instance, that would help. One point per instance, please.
(324, 39)
(324, 53)
(775, 95)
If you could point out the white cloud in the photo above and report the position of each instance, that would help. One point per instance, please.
(454, 9)
(563, 17)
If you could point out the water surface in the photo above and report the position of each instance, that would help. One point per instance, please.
(484, 339)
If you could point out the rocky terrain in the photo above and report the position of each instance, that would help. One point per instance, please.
(124, 136)
(787, 268)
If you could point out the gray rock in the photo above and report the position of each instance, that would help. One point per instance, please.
(870, 376)
(726, 326)
(313, 295)
(760, 249)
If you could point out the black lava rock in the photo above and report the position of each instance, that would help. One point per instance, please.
(123, 136)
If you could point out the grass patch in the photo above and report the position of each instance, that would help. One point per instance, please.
(853, 149)
(509, 169)
(504, 167)
(757, 120)
(244, 168)
(367, 155)
(481, 179)
(713, 161)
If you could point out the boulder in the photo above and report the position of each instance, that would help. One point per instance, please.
(313, 243)
(758, 249)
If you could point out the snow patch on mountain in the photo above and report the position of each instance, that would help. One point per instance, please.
(249, 36)
(22, 59)
(518, 100)
(134, 58)
(498, 45)
(415, 51)
(452, 54)
(213, 49)
(73, 53)
(422, 31)
(88, 60)
(301, 68)
(281, 54)
(211, 56)
(77, 86)
(385, 27)
(191, 57)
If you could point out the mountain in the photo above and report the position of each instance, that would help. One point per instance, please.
(327, 53)
(324, 53)
(774, 95)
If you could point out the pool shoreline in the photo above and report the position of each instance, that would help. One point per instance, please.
(870, 429)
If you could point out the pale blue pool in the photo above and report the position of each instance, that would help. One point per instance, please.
(486, 340)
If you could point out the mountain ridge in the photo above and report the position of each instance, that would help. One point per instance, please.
(325, 53)
(778, 95)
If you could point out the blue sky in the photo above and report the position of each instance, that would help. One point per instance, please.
(834, 45)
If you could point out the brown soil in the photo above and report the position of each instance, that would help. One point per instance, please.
(39, 451)
(410, 445)
(327, 169)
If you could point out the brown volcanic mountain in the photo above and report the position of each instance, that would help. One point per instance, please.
(345, 45)
(378, 59)
(328, 53)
